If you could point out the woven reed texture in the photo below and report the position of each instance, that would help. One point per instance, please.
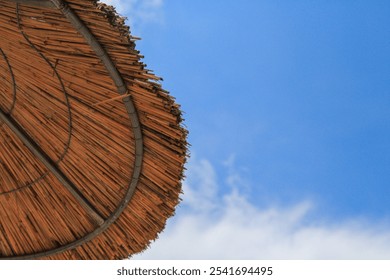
(57, 90)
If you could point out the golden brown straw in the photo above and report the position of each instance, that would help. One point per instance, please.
(89, 168)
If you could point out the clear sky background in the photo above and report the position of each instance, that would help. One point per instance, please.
(287, 104)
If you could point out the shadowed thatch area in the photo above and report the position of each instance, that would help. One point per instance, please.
(92, 149)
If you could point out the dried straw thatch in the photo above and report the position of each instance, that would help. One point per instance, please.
(92, 149)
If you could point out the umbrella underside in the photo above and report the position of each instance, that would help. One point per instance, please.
(92, 149)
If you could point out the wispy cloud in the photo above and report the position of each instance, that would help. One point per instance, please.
(139, 12)
(210, 225)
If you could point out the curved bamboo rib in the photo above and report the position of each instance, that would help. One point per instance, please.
(70, 128)
(12, 80)
(93, 42)
(122, 89)
(135, 125)
(66, 97)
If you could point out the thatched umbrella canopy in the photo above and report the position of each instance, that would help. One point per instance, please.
(92, 149)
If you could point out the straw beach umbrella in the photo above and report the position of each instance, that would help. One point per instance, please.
(92, 149)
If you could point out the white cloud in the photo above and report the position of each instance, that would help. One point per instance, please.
(139, 12)
(210, 225)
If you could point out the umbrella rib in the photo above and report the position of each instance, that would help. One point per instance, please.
(12, 81)
(91, 40)
(37, 151)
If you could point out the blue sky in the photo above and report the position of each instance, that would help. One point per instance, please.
(287, 104)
